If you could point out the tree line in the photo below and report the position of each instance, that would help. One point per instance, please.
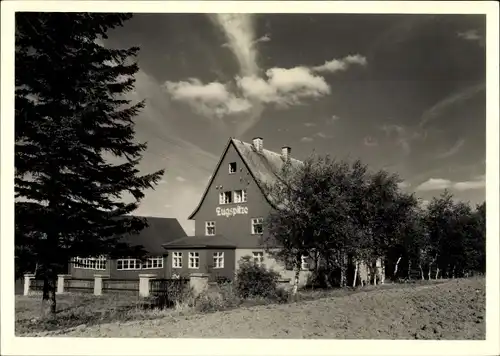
(341, 215)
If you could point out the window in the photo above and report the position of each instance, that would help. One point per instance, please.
(90, 263)
(209, 228)
(257, 226)
(153, 262)
(225, 198)
(304, 263)
(218, 259)
(240, 196)
(194, 260)
(128, 264)
(258, 257)
(232, 167)
(177, 260)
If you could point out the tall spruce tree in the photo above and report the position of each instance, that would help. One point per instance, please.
(70, 112)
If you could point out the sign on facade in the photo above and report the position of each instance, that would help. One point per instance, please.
(238, 210)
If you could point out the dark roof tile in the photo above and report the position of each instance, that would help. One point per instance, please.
(159, 232)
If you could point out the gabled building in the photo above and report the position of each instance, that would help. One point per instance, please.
(229, 216)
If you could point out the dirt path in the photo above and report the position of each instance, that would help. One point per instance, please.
(452, 310)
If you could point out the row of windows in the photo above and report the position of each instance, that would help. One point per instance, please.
(121, 264)
(257, 227)
(194, 260)
(157, 262)
(125, 264)
(228, 197)
(98, 263)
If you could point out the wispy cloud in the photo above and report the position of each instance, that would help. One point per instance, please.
(439, 108)
(470, 185)
(309, 124)
(332, 119)
(323, 135)
(434, 184)
(240, 33)
(370, 141)
(471, 35)
(306, 139)
(403, 135)
(338, 65)
(441, 184)
(265, 38)
(452, 150)
(180, 179)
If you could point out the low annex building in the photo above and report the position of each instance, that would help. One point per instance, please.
(150, 239)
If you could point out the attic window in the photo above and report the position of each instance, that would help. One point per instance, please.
(225, 197)
(232, 167)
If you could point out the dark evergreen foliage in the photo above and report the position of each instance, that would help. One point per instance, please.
(75, 155)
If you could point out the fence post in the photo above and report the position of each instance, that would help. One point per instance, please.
(198, 282)
(144, 284)
(60, 282)
(98, 283)
(27, 282)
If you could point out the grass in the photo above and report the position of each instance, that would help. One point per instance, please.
(423, 310)
(80, 309)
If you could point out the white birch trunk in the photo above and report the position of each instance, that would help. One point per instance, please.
(356, 264)
(421, 272)
(382, 272)
(296, 281)
(396, 267)
(437, 272)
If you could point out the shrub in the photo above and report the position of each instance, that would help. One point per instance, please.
(281, 295)
(219, 297)
(253, 280)
(175, 293)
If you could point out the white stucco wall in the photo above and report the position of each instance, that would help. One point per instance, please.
(271, 263)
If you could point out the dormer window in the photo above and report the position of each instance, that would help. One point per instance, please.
(232, 167)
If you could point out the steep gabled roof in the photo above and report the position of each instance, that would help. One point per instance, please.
(263, 165)
(159, 232)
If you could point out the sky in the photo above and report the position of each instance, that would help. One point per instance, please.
(405, 93)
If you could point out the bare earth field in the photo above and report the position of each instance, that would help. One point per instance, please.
(451, 310)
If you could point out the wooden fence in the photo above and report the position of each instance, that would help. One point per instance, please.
(165, 292)
(120, 285)
(79, 285)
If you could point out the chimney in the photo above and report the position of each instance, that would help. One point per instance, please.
(285, 153)
(258, 143)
